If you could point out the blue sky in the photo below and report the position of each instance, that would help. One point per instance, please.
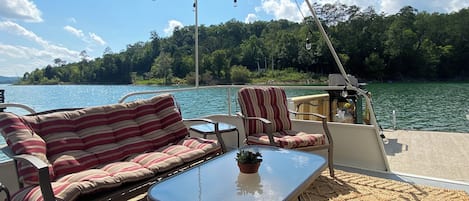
(34, 33)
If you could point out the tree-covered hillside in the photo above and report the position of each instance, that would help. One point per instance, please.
(408, 45)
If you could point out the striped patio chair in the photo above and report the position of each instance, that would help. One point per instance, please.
(266, 119)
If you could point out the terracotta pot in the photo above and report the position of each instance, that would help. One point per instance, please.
(249, 168)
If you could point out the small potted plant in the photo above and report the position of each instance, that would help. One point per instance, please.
(248, 161)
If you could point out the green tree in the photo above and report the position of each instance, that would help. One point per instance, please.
(252, 52)
(161, 68)
(220, 63)
(240, 74)
(375, 65)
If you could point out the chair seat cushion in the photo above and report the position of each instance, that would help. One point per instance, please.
(288, 139)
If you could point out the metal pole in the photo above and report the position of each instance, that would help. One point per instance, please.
(329, 43)
(348, 83)
(196, 44)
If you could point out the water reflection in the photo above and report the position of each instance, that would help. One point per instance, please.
(249, 184)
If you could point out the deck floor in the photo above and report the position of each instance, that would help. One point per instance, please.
(428, 153)
(357, 186)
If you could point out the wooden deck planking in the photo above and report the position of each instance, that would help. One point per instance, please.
(427, 153)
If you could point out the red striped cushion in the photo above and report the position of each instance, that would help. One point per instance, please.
(73, 161)
(206, 145)
(62, 191)
(288, 139)
(185, 153)
(22, 140)
(108, 133)
(89, 180)
(137, 167)
(266, 102)
(125, 172)
(116, 140)
(157, 161)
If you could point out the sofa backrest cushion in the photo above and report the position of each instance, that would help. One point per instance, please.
(22, 140)
(85, 138)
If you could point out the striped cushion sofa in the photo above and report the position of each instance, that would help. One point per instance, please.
(77, 154)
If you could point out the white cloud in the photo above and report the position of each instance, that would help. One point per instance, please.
(391, 7)
(12, 51)
(97, 39)
(282, 9)
(93, 38)
(20, 10)
(287, 9)
(17, 29)
(77, 32)
(25, 59)
(455, 5)
(172, 24)
(250, 18)
(22, 59)
(360, 3)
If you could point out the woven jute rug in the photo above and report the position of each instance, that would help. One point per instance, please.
(352, 186)
(348, 186)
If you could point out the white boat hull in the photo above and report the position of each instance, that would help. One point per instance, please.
(355, 145)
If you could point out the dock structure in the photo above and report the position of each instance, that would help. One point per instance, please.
(429, 153)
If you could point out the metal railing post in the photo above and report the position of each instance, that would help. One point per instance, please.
(229, 100)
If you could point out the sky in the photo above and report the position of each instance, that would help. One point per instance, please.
(34, 33)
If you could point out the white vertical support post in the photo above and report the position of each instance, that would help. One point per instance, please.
(196, 8)
(228, 90)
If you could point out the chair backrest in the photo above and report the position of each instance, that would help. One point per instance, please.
(266, 102)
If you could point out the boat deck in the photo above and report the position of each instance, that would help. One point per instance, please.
(427, 153)
(354, 184)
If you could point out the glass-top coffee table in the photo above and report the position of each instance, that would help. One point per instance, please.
(283, 175)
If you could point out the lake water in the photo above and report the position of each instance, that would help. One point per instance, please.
(418, 106)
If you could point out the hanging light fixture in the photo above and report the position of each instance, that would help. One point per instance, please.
(235, 3)
(308, 44)
(344, 92)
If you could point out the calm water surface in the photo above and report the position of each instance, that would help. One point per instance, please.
(418, 106)
(427, 106)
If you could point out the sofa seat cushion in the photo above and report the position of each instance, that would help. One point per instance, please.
(157, 161)
(186, 154)
(206, 145)
(89, 179)
(288, 139)
(62, 191)
(134, 168)
(73, 185)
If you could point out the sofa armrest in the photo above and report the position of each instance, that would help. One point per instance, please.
(217, 130)
(7, 192)
(41, 166)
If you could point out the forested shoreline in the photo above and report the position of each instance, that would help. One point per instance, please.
(409, 45)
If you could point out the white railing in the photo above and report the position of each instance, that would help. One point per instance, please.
(18, 105)
(229, 90)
